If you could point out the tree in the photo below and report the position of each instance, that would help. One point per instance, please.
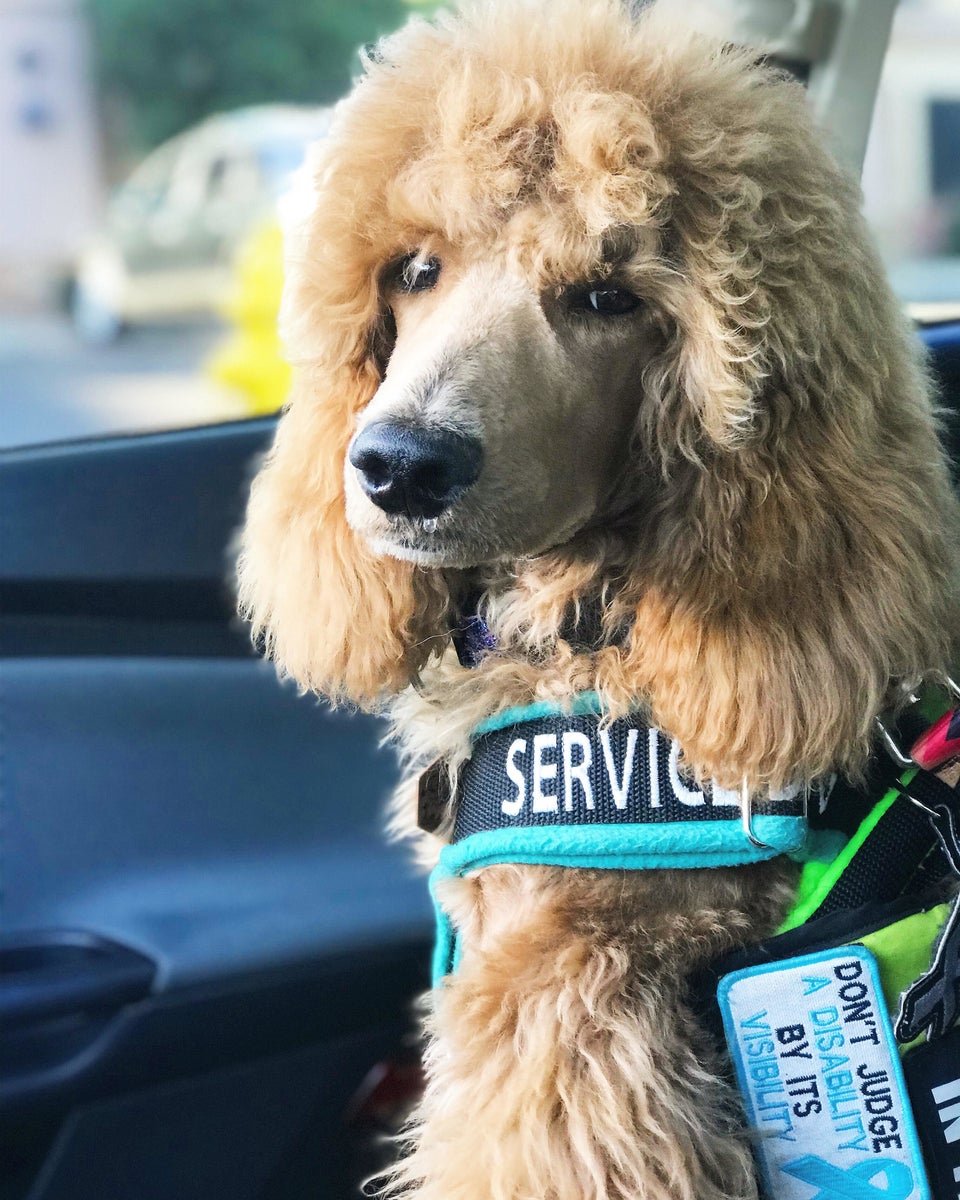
(165, 64)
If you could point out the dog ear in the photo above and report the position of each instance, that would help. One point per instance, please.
(789, 591)
(803, 555)
(338, 619)
(335, 617)
(705, 393)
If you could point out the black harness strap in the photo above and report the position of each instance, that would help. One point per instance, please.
(902, 855)
(563, 770)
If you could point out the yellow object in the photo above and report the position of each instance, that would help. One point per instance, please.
(251, 360)
(904, 952)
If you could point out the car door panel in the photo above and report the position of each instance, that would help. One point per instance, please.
(191, 844)
(207, 943)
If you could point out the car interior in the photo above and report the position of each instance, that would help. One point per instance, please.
(208, 947)
(210, 953)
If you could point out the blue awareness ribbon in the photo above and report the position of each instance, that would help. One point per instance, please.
(853, 1183)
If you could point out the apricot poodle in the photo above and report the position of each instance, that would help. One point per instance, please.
(591, 344)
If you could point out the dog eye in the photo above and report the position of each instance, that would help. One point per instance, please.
(609, 301)
(415, 274)
(599, 299)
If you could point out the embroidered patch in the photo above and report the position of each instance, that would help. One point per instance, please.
(821, 1079)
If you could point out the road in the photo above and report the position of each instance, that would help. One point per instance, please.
(53, 387)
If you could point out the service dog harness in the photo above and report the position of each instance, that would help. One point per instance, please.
(559, 786)
(843, 1028)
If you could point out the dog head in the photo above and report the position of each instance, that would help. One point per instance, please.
(506, 408)
(578, 299)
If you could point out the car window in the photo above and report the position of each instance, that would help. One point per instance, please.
(139, 286)
(146, 189)
(217, 172)
(911, 174)
(155, 306)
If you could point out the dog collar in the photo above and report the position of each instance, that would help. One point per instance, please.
(557, 785)
(473, 639)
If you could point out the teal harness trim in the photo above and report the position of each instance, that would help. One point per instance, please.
(585, 704)
(687, 843)
(621, 847)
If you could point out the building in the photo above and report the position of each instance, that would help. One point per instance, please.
(50, 184)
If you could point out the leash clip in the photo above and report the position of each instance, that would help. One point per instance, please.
(893, 748)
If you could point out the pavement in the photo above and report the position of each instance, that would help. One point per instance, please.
(53, 386)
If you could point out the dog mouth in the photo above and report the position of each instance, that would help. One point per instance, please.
(418, 555)
(425, 540)
(473, 523)
(412, 529)
(442, 542)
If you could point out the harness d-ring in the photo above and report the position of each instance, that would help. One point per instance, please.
(746, 816)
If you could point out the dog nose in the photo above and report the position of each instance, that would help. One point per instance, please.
(413, 469)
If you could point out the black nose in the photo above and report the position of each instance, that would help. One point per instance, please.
(413, 469)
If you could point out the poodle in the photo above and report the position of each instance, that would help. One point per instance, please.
(590, 343)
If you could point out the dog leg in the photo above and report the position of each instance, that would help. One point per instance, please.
(562, 1063)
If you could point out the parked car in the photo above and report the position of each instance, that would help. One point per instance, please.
(173, 228)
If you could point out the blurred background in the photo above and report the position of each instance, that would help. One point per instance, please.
(144, 145)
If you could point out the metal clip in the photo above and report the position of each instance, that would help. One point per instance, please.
(746, 817)
(890, 743)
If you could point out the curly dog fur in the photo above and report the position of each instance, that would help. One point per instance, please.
(742, 476)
